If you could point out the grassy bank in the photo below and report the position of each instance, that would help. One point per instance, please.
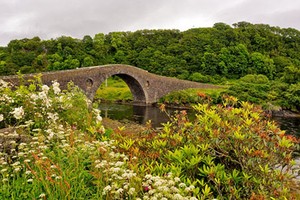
(114, 89)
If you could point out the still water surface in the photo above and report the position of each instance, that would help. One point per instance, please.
(142, 114)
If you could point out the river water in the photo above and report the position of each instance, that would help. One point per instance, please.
(142, 114)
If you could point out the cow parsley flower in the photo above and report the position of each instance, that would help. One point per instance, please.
(106, 190)
(45, 88)
(56, 88)
(18, 112)
(131, 191)
(42, 195)
(99, 118)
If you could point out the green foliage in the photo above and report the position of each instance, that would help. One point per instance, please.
(198, 77)
(223, 50)
(199, 54)
(259, 90)
(293, 96)
(291, 74)
(258, 79)
(192, 96)
(228, 151)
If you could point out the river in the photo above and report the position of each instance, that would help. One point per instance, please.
(142, 114)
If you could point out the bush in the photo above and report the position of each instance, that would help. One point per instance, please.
(198, 77)
(253, 78)
(227, 152)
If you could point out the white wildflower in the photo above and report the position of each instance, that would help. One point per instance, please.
(42, 95)
(52, 116)
(21, 154)
(131, 191)
(106, 189)
(116, 169)
(119, 163)
(1, 117)
(174, 189)
(56, 88)
(97, 161)
(42, 195)
(5, 180)
(99, 118)
(29, 180)
(182, 185)
(102, 129)
(120, 191)
(98, 166)
(16, 163)
(45, 88)
(17, 169)
(177, 179)
(3, 170)
(187, 189)
(3, 84)
(28, 172)
(96, 111)
(178, 196)
(34, 97)
(18, 112)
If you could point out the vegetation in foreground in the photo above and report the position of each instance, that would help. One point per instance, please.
(57, 148)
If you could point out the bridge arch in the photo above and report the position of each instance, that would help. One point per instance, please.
(136, 87)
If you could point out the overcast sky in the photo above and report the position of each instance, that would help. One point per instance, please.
(53, 18)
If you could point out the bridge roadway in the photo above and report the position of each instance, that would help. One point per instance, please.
(145, 87)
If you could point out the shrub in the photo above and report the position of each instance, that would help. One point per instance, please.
(253, 78)
(227, 152)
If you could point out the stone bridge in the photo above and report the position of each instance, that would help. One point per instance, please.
(145, 87)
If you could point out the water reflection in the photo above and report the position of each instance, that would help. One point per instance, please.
(142, 114)
(290, 124)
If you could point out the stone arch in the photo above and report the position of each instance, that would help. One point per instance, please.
(136, 88)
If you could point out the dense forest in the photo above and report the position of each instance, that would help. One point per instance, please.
(214, 54)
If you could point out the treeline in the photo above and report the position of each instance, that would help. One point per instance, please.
(199, 54)
(222, 50)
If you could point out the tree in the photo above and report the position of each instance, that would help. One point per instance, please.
(260, 64)
(88, 61)
(291, 74)
(234, 61)
(87, 43)
(293, 96)
(210, 64)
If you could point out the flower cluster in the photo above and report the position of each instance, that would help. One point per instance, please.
(167, 187)
(18, 112)
(37, 118)
(123, 183)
